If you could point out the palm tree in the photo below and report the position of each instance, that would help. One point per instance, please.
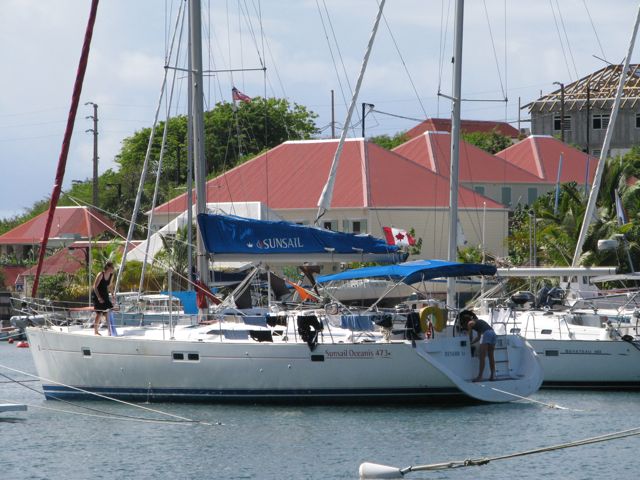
(174, 256)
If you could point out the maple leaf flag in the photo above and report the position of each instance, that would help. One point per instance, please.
(397, 236)
(238, 95)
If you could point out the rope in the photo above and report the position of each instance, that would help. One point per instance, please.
(471, 462)
(179, 419)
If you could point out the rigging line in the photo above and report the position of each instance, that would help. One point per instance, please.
(163, 145)
(105, 397)
(399, 116)
(335, 41)
(493, 48)
(333, 59)
(404, 64)
(584, 2)
(564, 29)
(564, 53)
(247, 19)
(105, 414)
(444, 27)
(229, 41)
(266, 43)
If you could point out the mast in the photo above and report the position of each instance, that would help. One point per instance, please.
(593, 194)
(455, 148)
(196, 100)
(324, 202)
(66, 141)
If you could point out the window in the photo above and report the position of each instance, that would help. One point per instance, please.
(637, 120)
(556, 123)
(532, 195)
(354, 226)
(601, 121)
(506, 196)
(330, 225)
(596, 152)
(479, 189)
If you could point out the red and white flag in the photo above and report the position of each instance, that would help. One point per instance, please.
(397, 236)
(238, 95)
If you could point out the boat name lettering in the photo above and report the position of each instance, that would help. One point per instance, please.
(279, 242)
(350, 353)
(453, 354)
(581, 351)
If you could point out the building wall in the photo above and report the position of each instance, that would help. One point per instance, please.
(625, 135)
(432, 225)
(519, 193)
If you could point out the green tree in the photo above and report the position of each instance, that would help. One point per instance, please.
(492, 142)
(389, 142)
(175, 256)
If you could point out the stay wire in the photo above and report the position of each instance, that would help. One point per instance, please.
(103, 413)
(404, 65)
(493, 48)
(106, 397)
(584, 2)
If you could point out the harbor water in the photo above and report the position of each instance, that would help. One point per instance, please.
(55, 440)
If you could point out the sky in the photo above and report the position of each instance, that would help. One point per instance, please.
(513, 49)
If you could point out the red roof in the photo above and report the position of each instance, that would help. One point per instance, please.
(292, 175)
(64, 260)
(11, 273)
(467, 126)
(433, 150)
(540, 155)
(66, 221)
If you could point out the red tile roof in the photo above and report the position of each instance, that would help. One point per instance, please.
(292, 175)
(467, 126)
(66, 221)
(433, 151)
(11, 273)
(64, 260)
(540, 155)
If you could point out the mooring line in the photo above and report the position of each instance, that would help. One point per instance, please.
(372, 470)
(549, 405)
(106, 397)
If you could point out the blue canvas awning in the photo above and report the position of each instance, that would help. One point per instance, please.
(412, 272)
(227, 236)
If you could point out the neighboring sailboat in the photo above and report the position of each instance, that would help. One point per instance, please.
(302, 354)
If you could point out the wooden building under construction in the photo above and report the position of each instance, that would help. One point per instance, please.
(583, 109)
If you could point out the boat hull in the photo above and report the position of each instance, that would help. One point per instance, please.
(601, 364)
(75, 365)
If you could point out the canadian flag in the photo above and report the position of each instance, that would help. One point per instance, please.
(397, 236)
(238, 95)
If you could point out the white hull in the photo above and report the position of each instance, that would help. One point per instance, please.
(574, 352)
(141, 368)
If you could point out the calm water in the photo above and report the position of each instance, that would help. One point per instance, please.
(259, 442)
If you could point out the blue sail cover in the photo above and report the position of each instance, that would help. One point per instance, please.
(412, 272)
(228, 234)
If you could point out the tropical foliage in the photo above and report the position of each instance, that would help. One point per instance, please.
(492, 142)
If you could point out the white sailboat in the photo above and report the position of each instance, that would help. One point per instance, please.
(297, 355)
(582, 345)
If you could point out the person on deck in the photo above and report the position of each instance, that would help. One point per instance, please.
(100, 295)
(487, 338)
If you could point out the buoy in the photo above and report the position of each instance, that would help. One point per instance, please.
(22, 344)
(10, 340)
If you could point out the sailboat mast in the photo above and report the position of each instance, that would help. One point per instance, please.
(455, 148)
(593, 194)
(196, 100)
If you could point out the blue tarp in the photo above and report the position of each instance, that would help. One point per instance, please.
(188, 300)
(412, 272)
(229, 234)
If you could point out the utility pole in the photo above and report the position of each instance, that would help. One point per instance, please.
(561, 110)
(94, 130)
(364, 114)
(333, 116)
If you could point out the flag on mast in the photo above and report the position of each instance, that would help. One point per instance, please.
(237, 95)
(397, 236)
